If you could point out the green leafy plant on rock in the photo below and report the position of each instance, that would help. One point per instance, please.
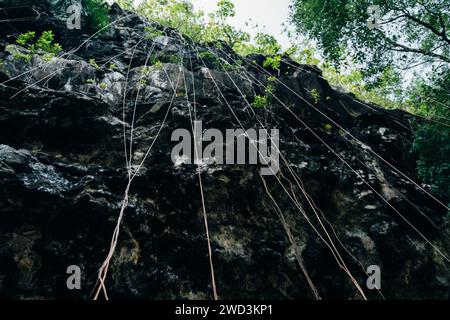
(260, 101)
(25, 39)
(273, 62)
(93, 63)
(315, 95)
(158, 65)
(44, 45)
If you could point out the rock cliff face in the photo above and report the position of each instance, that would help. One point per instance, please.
(63, 176)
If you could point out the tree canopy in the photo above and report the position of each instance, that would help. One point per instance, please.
(386, 37)
(378, 33)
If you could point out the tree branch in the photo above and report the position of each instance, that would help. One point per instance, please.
(428, 26)
(393, 19)
(403, 48)
(442, 23)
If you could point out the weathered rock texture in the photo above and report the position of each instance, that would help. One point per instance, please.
(63, 176)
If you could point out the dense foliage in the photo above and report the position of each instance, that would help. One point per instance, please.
(432, 143)
(94, 12)
(387, 38)
(378, 33)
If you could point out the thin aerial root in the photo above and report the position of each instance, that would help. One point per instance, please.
(205, 216)
(330, 245)
(353, 170)
(297, 251)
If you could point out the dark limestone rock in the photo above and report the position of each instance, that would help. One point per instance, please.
(63, 176)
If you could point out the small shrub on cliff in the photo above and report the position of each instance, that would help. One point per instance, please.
(260, 102)
(158, 65)
(93, 63)
(315, 95)
(272, 62)
(44, 45)
(25, 38)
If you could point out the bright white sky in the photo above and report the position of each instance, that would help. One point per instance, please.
(268, 14)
